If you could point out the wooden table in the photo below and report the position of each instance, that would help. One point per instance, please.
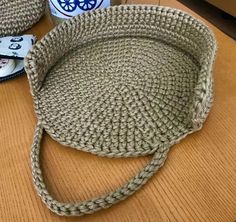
(197, 182)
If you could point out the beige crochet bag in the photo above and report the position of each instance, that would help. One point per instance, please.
(125, 81)
(17, 16)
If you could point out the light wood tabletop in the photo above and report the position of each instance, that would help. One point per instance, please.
(197, 182)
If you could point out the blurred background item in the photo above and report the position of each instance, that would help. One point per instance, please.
(66, 9)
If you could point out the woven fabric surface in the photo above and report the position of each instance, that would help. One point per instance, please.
(120, 82)
(19, 15)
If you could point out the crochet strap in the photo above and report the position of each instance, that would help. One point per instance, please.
(93, 205)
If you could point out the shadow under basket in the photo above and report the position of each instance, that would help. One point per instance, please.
(124, 81)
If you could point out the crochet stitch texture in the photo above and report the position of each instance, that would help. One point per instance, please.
(17, 16)
(124, 81)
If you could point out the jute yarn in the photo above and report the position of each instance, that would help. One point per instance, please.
(125, 81)
(17, 16)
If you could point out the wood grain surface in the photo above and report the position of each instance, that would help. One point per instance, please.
(197, 182)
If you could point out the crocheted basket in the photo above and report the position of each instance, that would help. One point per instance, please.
(17, 16)
(124, 81)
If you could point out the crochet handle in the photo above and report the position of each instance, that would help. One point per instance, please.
(93, 205)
